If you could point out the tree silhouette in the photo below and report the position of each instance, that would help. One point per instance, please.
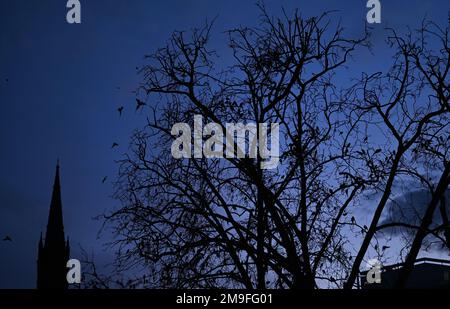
(412, 103)
(211, 222)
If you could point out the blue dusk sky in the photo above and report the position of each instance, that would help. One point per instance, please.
(60, 86)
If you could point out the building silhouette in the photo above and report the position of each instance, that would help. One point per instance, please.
(428, 273)
(54, 250)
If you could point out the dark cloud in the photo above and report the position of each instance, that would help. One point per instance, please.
(409, 208)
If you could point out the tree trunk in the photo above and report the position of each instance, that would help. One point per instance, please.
(424, 226)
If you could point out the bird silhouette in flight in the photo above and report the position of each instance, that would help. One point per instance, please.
(139, 104)
(120, 109)
(114, 145)
(6, 80)
(7, 238)
(104, 179)
(385, 247)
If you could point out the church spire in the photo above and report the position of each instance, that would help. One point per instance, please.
(54, 251)
(55, 226)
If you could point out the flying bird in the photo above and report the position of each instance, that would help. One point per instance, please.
(104, 179)
(7, 238)
(120, 109)
(114, 145)
(139, 104)
(385, 247)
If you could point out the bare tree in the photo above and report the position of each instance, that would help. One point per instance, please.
(212, 222)
(433, 146)
(411, 103)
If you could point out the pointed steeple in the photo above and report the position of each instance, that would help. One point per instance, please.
(53, 251)
(55, 226)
